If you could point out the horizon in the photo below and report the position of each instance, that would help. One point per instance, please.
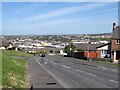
(53, 34)
(58, 18)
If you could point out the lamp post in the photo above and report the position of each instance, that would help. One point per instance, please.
(88, 49)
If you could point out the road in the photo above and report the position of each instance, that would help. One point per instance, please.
(75, 73)
(37, 77)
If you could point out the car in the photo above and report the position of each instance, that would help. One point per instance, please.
(51, 54)
(42, 55)
(63, 54)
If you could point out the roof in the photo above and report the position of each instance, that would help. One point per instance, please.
(5, 43)
(116, 32)
(104, 45)
(85, 47)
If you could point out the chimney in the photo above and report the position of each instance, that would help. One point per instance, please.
(114, 24)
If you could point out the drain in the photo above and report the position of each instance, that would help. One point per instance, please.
(51, 83)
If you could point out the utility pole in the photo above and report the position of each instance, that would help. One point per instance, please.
(88, 48)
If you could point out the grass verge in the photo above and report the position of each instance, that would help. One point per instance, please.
(14, 69)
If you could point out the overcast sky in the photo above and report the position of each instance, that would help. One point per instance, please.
(21, 18)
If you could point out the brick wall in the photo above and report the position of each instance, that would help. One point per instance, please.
(115, 46)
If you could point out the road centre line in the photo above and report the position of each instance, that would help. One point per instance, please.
(114, 81)
(66, 66)
(85, 72)
(72, 68)
(80, 70)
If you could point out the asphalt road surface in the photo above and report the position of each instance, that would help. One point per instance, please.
(75, 73)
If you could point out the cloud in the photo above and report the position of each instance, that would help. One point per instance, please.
(46, 23)
(67, 10)
(62, 11)
(64, 26)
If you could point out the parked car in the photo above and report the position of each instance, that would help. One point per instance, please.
(51, 54)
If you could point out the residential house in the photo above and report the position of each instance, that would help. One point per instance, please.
(5, 45)
(104, 51)
(86, 50)
(115, 45)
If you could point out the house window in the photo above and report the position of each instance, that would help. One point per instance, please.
(118, 41)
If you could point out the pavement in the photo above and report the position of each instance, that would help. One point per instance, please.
(76, 73)
(38, 77)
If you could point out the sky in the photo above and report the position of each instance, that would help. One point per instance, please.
(47, 18)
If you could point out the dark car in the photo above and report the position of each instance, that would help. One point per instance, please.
(42, 55)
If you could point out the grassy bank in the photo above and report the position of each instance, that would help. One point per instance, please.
(14, 69)
(0, 69)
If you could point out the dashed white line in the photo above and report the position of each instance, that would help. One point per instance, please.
(104, 68)
(78, 70)
(51, 74)
(65, 66)
(85, 72)
(114, 81)
(91, 74)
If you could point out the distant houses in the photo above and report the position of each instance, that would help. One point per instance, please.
(84, 49)
(5, 45)
(108, 50)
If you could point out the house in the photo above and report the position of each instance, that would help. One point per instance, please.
(115, 43)
(5, 45)
(86, 50)
(104, 51)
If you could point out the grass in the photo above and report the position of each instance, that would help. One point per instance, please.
(107, 63)
(14, 69)
(0, 69)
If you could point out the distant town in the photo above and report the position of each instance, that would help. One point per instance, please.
(82, 46)
(31, 43)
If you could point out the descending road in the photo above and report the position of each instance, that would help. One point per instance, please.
(74, 73)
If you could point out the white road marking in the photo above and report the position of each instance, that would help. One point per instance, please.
(85, 72)
(51, 74)
(115, 70)
(104, 68)
(78, 70)
(91, 74)
(114, 81)
(72, 68)
(65, 66)
(46, 62)
(50, 61)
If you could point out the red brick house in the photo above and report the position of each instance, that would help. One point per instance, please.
(115, 43)
(88, 51)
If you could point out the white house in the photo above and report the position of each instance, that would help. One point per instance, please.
(103, 51)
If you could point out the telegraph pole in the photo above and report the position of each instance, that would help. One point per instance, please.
(88, 48)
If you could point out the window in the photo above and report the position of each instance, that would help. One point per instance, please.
(118, 41)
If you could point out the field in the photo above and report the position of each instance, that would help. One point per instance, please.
(14, 69)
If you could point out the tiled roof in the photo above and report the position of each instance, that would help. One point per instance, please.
(4, 43)
(85, 47)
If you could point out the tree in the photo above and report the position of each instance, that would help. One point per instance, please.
(69, 49)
